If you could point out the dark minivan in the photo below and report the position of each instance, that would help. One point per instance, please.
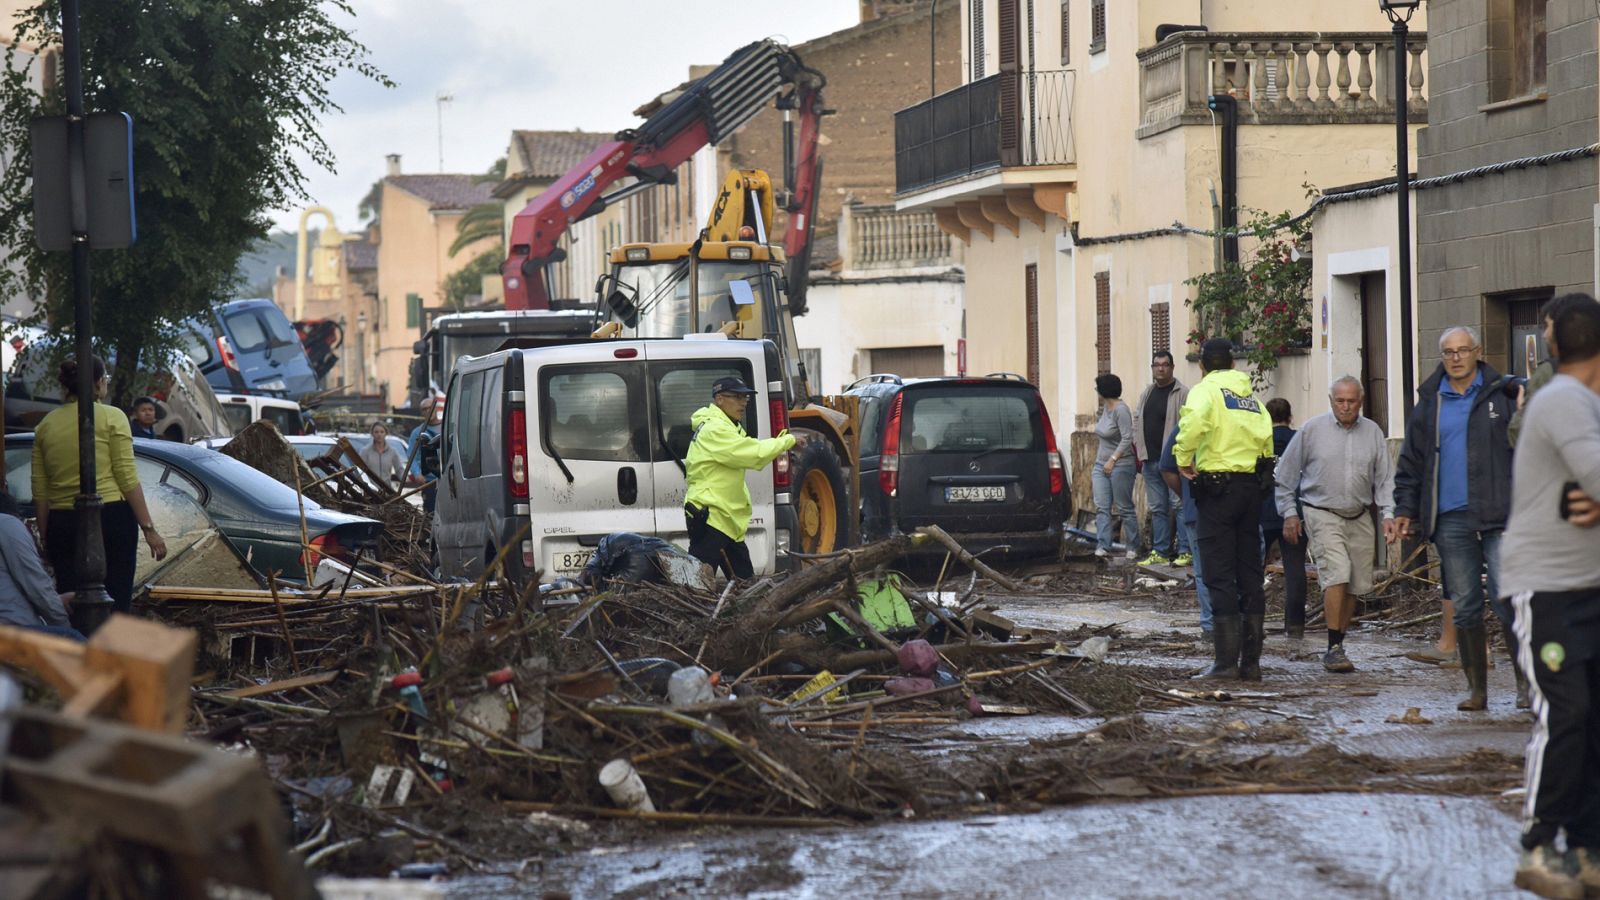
(248, 346)
(975, 456)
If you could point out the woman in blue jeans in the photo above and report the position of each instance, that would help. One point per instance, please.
(1114, 470)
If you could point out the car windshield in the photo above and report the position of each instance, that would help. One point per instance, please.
(286, 419)
(971, 419)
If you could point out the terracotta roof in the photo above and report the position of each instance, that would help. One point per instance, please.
(547, 155)
(360, 256)
(445, 191)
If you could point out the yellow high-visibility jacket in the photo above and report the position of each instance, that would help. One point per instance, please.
(718, 457)
(1222, 427)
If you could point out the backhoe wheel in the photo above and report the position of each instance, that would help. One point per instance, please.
(818, 484)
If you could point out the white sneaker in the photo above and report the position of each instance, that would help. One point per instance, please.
(1101, 552)
(1132, 554)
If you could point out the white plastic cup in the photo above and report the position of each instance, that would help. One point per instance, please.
(626, 788)
(689, 686)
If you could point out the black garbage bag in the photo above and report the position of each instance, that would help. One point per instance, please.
(629, 557)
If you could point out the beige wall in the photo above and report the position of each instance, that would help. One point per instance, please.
(412, 258)
(847, 319)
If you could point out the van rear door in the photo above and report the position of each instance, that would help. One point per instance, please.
(680, 375)
(589, 471)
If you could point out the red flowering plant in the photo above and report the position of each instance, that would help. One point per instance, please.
(1262, 303)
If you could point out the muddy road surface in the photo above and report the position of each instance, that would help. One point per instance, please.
(1369, 784)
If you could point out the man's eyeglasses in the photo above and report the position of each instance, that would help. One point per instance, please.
(1458, 354)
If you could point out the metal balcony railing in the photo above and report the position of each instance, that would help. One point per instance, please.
(1279, 78)
(1019, 118)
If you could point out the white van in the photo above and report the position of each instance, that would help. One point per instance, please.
(586, 439)
(242, 409)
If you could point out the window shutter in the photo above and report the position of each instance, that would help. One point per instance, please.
(1097, 26)
(1066, 32)
(1030, 290)
(1010, 112)
(413, 310)
(1160, 327)
(1102, 320)
(977, 39)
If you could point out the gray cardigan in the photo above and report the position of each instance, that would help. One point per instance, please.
(27, 592)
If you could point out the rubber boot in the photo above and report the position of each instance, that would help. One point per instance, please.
(1475, 663)
(1255, 632)
(1516, 667)
(1225, 637)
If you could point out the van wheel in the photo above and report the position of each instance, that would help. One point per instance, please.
(818, 480)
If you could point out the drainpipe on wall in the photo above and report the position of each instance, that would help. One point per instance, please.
(1229, 109)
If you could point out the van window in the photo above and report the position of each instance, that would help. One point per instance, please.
(469, 434)
(279, 332)
(287, 420)
(238, 415)
(682, 390)
(197, 346)
(247, 332)
(967, 419)
(493, 423)
(590, 412)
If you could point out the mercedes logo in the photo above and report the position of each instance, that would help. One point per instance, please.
(972, 466)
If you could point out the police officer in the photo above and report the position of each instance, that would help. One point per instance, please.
(718, 503)
(1224, 442)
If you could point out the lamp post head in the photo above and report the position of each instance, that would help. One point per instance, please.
(1399, 10)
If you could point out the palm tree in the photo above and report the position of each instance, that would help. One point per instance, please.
(486, 220)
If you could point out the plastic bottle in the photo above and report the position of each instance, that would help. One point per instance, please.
(690, 686)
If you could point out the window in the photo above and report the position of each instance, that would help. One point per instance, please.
(413, 310)
(1097, 26)
(871, 411)
(1030, 299)
(1160, 327)
(971, 420)
(1066, 32)
(1517, 51)
(590, 411)
(247, 332)
(197, 346)
(682, 390)
(977, 40)
(1102, 320)
(469, 400)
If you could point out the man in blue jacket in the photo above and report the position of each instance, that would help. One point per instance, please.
(1453, 481)
(1189, 520)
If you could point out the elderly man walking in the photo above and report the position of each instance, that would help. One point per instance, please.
(1154, 417)
(1453, 480)
(1337, 467)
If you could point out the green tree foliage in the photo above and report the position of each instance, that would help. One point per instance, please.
(226, 97)
(467, 282)
(1262, 303)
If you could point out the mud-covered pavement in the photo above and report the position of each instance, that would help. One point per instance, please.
(1394, 831)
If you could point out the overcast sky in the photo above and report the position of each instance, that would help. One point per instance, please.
(510, 64)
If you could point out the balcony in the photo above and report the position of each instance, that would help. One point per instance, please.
(1011, 119)
(876, 237)
(1281, 78)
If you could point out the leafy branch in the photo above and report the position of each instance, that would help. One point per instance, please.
(1263, 302)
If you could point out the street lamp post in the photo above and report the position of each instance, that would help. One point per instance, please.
(1400, 12)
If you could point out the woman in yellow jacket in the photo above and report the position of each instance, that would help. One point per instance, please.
(55, 489)
(717, 506)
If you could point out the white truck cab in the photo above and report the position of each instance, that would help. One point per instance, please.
(552, 448)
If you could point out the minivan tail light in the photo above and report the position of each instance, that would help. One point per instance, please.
(1058, 472)
(321, 545)
(226, 352)
(889, 462)
(778, 413)
(517, 452)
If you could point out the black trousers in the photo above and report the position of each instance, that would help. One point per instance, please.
(716, 549)
(120, 533)
(1229, 534)
(1294, 572)
(1558, 638)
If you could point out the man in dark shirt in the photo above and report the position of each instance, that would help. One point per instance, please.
(143, 420)
(1154, 416)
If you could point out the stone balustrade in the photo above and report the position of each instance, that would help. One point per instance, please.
(1287, 78)
(878, 237)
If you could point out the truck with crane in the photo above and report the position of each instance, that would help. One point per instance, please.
(732, 279)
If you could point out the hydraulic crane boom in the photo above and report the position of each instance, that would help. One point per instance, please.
(706, 113)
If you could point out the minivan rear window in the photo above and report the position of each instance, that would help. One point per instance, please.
(970, 419)
(249, 335)
(682, 390)
(587, 412)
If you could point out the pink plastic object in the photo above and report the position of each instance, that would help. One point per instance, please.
(899, 687)
(975, 706)
(918, 658)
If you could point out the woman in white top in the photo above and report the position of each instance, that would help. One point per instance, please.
(382, 458)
